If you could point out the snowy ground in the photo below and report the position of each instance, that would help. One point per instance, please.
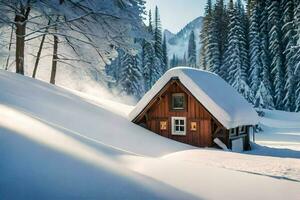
(280, 129)
(61, 144)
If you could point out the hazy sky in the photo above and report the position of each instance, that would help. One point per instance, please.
(175, 14)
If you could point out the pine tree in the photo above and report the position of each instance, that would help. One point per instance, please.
(173, 62)
(245, 48)
(213, 61)
(150, 26)
(204, 34)
(184, 60)
(221, 22)
(296, 57)
(262, 98)
(192, 50)
(254, 52)
(151, 67)
(262, 49)
(130, 75)
(266, 89)
(235, 59)
(158, 39)
(165, 54)
(276, 51)
(217, 40)
(213, 38)
(289, 41)
(113, 70)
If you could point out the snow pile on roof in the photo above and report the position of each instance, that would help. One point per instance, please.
(217, 96)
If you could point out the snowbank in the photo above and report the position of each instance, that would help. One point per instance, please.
(57, 145)
(217, 96)
(280, 129)
(95, 119)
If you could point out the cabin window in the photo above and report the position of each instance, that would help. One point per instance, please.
(232, 132)
(193, 126)
(178, 101)
(178, 126)
(163, 125)
(242, 129)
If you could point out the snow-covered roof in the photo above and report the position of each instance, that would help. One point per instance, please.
(216, 95)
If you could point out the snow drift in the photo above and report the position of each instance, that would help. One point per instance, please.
(58, 145)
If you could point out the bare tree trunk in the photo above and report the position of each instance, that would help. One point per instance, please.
(20, 46)
(54, 60)
(9, 47)
(55, 50)
(38, 56)
(20, 21)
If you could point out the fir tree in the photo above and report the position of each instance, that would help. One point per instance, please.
(289, 41)
(184, 60)
(204, 34)
(130, 75)
(158, 39)
(245, 48)
(192, 50)
(150, 26)
(262, 49)
(296, 57)
(213, 37)
(152, 64)
(165, 54)
(267, 92)
(174, 61)
(262, 97)
(220, 18)
(235, 59)
(151, 67)
(276, 52)
(113, 70)
(255, 64)
(217, 39)
(213, 54)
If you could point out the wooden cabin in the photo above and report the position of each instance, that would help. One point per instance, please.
(179, 107)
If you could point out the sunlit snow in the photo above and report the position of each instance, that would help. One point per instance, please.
(61, 144)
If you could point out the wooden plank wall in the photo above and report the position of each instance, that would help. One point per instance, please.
(194, 112)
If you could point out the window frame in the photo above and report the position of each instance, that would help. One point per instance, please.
(172, 101)
(232, 132)
(191, 126)
(179, 133)
(242, 130)
(163, 125)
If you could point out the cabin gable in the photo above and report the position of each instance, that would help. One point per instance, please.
(200, 125)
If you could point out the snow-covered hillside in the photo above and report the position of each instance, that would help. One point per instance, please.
(178, 43)
(280, 129)
(61, 144)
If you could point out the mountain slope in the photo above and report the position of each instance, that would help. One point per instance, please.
(58, 145)
(178, 43)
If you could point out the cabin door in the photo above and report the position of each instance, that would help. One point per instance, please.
(205, 134)
(199, 133)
